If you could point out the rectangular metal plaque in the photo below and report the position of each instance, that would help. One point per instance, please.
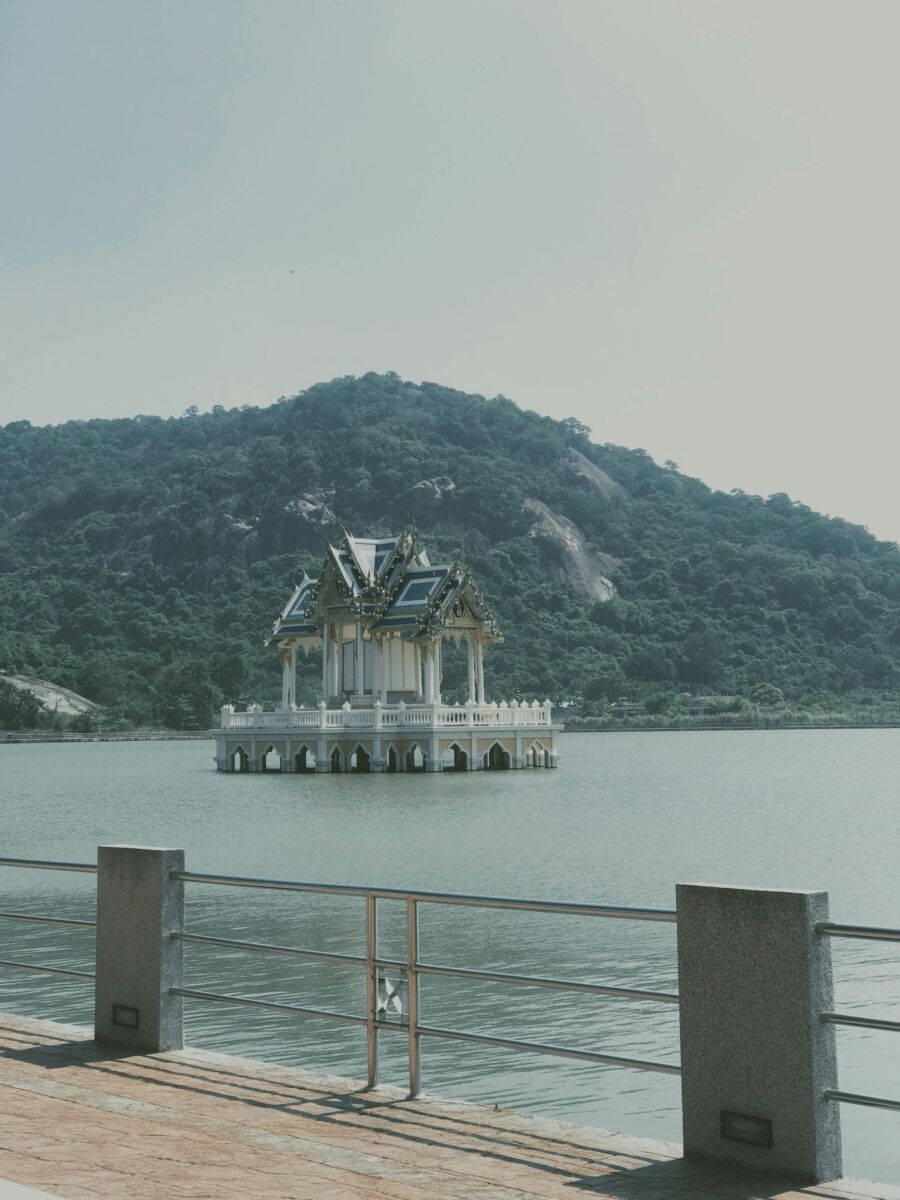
(126, 1017)
(740, 1127)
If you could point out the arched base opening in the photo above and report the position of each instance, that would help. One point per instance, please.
(393, 762)
(415, 759)
(360, 762)
(496, 759)
(337, 761)
(537, 756)
(455, 758)
(304, 760)
(270, 761)
(239, 760)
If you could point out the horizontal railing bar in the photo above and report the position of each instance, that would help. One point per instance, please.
(564, 985)
(831, 929)
(268, 948)
(861, 1022)
(38, 865)
(271, 1005)
(867, 1101)
(45, 970)
(607, 1060)
(48, 920)
(330, 889)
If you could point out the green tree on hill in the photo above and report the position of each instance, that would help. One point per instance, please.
(143, 561)
(19, 709)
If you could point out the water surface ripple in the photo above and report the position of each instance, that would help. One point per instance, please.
(625, 818)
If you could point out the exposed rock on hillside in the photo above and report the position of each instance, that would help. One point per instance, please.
(589, 474)
(572, 560)
(432, 492)
(313, 508)
(53, 698)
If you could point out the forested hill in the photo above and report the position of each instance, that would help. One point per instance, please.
(142, 561)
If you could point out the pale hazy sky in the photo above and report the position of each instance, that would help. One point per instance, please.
(675, 221)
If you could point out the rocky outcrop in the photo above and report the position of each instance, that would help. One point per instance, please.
(313, 508)
(431, 493)
(570, 558)
(575, 465)
(53, 698)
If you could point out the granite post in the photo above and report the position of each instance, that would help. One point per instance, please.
(754, 978)
(138, 906)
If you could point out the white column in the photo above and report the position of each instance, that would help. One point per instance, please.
(339, 660)
(479, 661)
(385, 665)
(470, 657)
(292, 690)
(358, 660)
(285, 657)
(376, 642)
(429, 674)
(337, 653)
(437, 670)
(417, 658)
(326, 659)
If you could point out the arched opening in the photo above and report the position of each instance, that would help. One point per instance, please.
(239, 760)
(415, 759)
(360, 762)
(496, 759)
(393, 762)
(271, 760)
(455, 758)
(536, 756)
(337, 760)
(304, 760)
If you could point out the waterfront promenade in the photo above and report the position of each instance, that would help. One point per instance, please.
(80, 1120)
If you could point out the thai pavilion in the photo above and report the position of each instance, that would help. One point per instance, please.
(380, 612)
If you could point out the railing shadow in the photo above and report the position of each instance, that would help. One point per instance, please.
(618, 1169)
(692, 1179)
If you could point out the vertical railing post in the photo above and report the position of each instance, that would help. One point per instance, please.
(139, 907)
(412, 994)
(371, 992)
(753, 980)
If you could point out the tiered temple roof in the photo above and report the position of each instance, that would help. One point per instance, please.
(392, 588)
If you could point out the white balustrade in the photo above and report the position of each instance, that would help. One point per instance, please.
(392, 716)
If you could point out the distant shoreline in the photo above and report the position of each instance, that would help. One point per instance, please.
(25, 737)
(719, 727)
(18, 737)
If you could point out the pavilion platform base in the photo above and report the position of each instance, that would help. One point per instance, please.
(253, 751)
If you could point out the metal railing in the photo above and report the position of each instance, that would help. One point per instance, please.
(400, 996)
(868, 933)
(43, 969)
(393, 1005)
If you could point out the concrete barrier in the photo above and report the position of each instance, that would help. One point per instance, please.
(138, 906)
(753, 980)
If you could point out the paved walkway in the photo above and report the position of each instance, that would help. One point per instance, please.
(77, 1120)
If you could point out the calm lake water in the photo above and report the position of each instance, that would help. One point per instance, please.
(625, 818)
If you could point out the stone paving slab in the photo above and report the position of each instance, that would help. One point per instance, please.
(80, 1120)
